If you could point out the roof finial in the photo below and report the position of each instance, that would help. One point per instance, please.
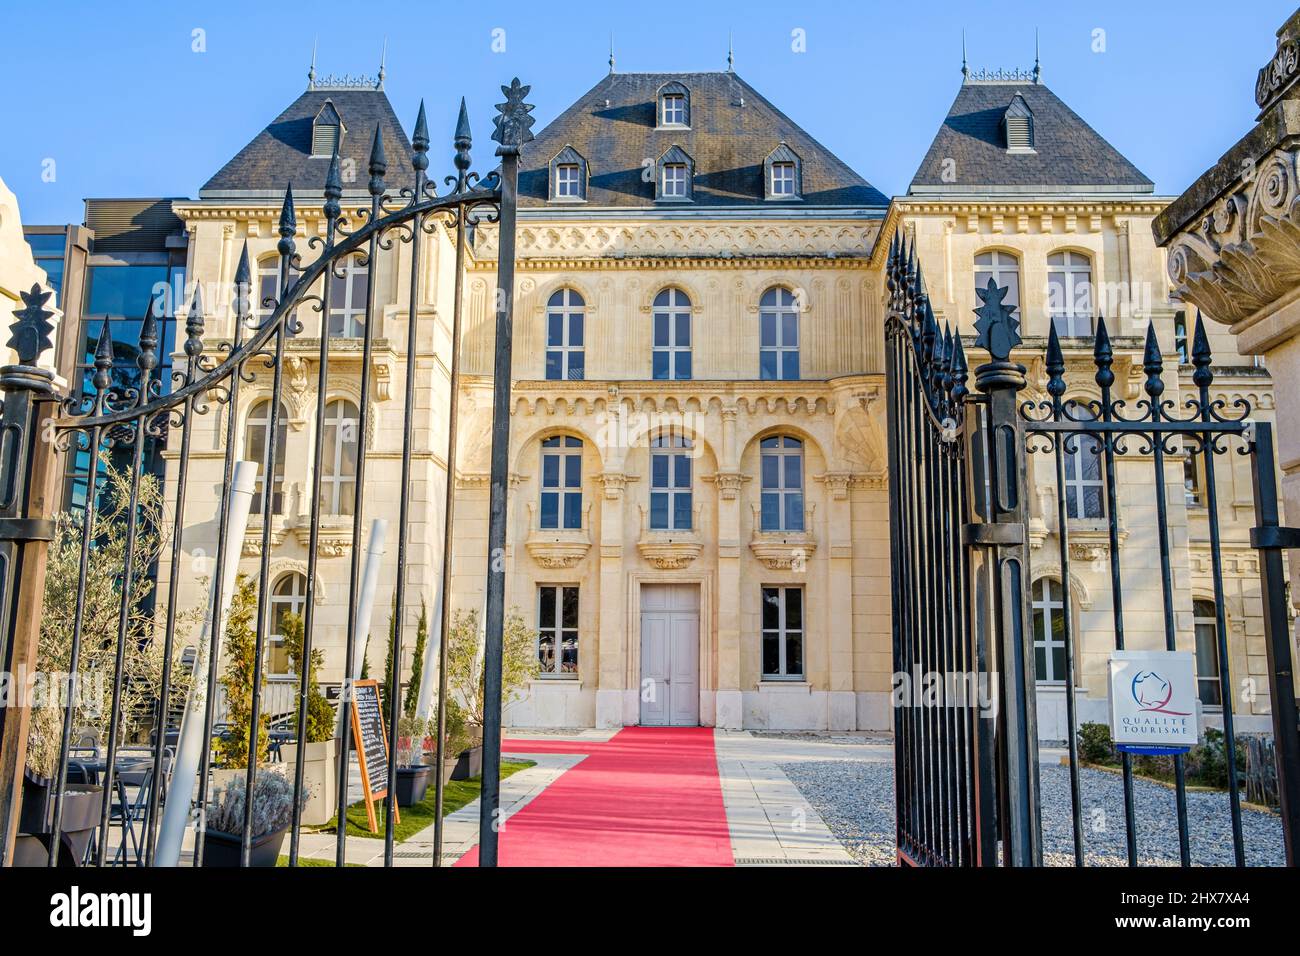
(611, 51)
(1038, 70)
(311, 74)
(731, 54)
(383, 59)
(965, 70)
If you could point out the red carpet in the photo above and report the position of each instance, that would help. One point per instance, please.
(649, 796)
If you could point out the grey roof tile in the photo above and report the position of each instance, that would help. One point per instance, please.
(613, 127)
(281, 153)
(1067, 151)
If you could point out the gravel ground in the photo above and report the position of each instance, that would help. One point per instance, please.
(856, 799)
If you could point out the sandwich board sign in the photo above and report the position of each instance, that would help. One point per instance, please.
(1153, 701)
(371, 744)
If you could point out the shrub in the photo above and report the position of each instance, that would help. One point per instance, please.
(241, 653)
(320, 713)
(465, 666)
(412, 698)
(1094, 744)
(272, 804)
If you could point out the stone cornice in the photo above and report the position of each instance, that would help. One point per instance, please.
(1045, 206)
(746, 262)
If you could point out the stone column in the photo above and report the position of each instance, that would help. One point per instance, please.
(616, 703)
(729, 702)
(841, 710)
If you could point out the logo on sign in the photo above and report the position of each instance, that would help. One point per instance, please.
(1153, 694)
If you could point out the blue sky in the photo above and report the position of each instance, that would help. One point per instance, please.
(115, 95)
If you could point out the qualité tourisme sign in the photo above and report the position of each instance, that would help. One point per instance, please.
(1153, 700)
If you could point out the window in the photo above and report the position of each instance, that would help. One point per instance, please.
(1191, 476)
(782, 494)
(268, 287)
(783, 179)
(782, 633)
(1049, 630)
(1018, 125)
(326, 131)
(564, 351)
(1207, 653)
(566, 181)
(1069, 293)
(257, 448)
(289, 596)
(348, 294)
(1004, 269)
(47, 252)
(674, 105)
(1180, 337)
(557, 627)
(670, 483)
(674, 181)
(342, 439)
(671, 358)
(561, 483)
(1083, 481)
(778, 317)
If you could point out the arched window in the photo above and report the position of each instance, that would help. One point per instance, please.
(1049, 630)
(1004, 269)
(339, 475)
(1207, 654)
(778, 318)
(782, 473)
(349, 290)
(565, 355)
(1069, 293)
(1083, 482)
(257, 433)
(289, 596)
(561, 504)
(268, 287)
(671, 357)
(670, 482)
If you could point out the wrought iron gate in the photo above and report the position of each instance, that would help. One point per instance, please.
(39, 424)
(966, 781)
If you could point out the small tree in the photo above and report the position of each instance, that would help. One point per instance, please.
(412, 699)
(143, 651)
(320, 715)
(365, 661)
(465, 668)
(240, 648)
(386, 688)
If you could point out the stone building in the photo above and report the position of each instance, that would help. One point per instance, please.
(698, 512)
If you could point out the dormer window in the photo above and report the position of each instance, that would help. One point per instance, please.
(327, 131)
(674, 106)
(568, 176)
(676, 171)
(782, 174)
(1018, 126)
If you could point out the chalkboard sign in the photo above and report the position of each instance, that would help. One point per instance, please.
(371, 745)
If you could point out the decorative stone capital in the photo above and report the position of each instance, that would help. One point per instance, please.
(729, 483)
(615, 483)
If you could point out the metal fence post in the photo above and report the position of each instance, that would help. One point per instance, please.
(1270, 538)
(513, 129)
(1003, 532)
(27, 469)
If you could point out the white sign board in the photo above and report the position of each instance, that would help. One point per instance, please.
(1153, 699)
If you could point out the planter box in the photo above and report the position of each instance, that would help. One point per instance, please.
(468, 764)
(319, 780)
(412, 784)
(82, 804)
(223, 849)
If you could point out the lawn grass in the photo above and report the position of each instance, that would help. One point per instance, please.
(456, 794)
(305, 861)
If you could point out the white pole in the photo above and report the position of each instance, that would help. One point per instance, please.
(176, 810)
(366, 600)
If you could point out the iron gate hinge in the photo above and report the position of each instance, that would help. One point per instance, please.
(26, 529)
(1274, 537)
(981, 534)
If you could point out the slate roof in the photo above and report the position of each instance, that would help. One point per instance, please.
(281, 153)
(1069, 155)
(613, 127)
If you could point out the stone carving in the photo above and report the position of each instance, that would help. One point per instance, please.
(1277, 75)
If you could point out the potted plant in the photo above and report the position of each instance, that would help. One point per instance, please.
(464, 743)
(140, 678)
(240, 651)
(412, 776)
(272, 813)
(321, 749)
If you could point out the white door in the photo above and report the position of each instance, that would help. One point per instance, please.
(670, 655)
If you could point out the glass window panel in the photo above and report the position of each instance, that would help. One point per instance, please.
(793, 471)
(1092, 502)
(547, 608)
(683, 365)
(774, 442)
(554, 366)
(122, 290)
(684, 329)
(575, 329)
(573, 509)
(771, 471)
(771, 512)
(767, 332)
(659, 471)
(1058, 662)
(661, 327)
(659, 365)
(569, 653)
(771, 609)
(682, 477)
(794, 655)
(550, 509)
(771, 653)
(794, 609)
(682, 511)
(572, 471)
(790, 366)
(793, 512)
(554, 329)
(767, 365)
(576, 370)
(570, 608)
(659, 510)
(546, 651)
(1040, 663)
(550, 471)
(790, 328)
